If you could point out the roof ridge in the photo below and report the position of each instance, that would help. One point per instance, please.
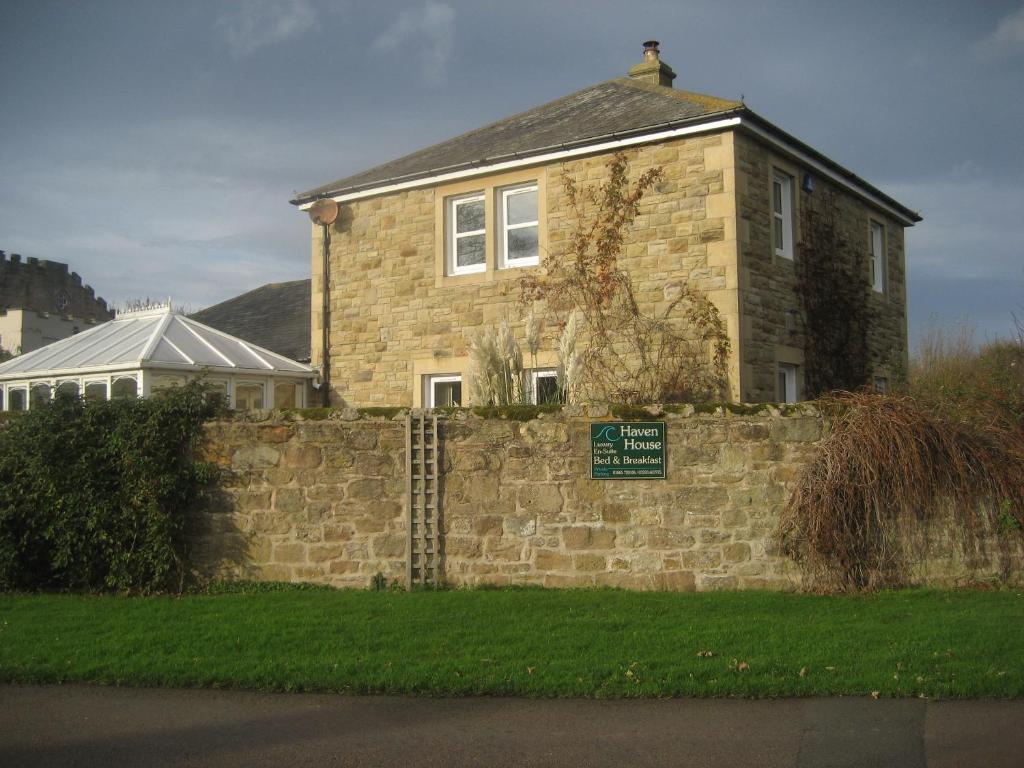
(712, 102)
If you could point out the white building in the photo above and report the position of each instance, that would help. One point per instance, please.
(140, 352)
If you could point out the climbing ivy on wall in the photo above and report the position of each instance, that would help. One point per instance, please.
(833, 293)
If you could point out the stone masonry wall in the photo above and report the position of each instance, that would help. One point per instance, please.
(768, 300)
(323, 501)
(395, 315)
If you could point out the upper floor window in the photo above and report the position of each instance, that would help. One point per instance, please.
(491, 227)
(518, 227)
(782, 214)
(877, 257)
(467, 235)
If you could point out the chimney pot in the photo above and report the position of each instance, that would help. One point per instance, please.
(652, 69)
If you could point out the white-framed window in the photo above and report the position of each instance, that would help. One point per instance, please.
(67, 387)
(881, 385)
(442, 390)
(287, 394)
(782, 214)
(787, 383)
(17, 399)
(544, 386)
(248, 395)
(518, 227)
(95, 390)
(124, 388)
(39, 394)
(467, 235)
(878, 256)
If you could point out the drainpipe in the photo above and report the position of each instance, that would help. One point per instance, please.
(325, 314)
(324, 212)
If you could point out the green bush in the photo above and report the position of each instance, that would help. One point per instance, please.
(93, 495)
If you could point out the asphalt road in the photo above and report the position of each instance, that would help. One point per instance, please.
(76, 725)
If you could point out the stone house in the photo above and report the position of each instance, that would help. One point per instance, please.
(428, 249)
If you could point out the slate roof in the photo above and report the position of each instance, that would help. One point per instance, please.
(275, 316)
(149, 339)
(618, 108)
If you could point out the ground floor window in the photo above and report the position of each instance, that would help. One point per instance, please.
(16, 400)
(443, 391)
(95, 390)
(122, 389)
(287, 394)
(544, 387)
(248, 396)
(787, 383)
(39, 394)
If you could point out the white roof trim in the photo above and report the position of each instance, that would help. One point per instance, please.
(158, 331)
(548, 157)
(714, 125)
(824, 170)
(178, 349)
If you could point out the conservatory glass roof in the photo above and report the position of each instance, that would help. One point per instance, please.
(156, 338)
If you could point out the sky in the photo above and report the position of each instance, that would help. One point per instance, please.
(154, 146)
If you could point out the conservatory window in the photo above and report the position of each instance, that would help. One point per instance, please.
(16, 399)
(248, 396)
(39, 395)
(95, 390)
(124, 389)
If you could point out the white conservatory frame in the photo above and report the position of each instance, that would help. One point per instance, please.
(224, 360)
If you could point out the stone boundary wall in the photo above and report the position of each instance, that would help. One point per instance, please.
(324, 501)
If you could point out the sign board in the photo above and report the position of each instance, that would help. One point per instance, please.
(632, 450)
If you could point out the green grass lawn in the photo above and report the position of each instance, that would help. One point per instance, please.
(534, 642)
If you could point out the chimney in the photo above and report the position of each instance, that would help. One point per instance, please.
(653, 69)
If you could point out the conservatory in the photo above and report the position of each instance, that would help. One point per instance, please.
(143, 351)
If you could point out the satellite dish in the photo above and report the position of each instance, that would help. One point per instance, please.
(323, 211)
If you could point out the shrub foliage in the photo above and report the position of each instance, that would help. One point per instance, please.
(859, 515)
(93, 495)
(612, 347)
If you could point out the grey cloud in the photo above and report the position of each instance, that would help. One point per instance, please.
(430, 30)
(253, 24)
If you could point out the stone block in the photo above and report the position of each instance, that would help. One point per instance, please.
(539, 499)
(462, 546)
(289, 501)
(668, 538)
(716, 583)
(488, 525)
(289, 552)
(374, 465)
(366, 489)
(247, 501)
(546, 560)
(319, 553)
(585, 537)
(677, 581)
(255, 457)
(271, 523)
(274, 434)
(301, 457)
(736, 553)
(701, 559)
(796, 429)
(589, 562)
(389, 545)
(337, 457)
(520, 525)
